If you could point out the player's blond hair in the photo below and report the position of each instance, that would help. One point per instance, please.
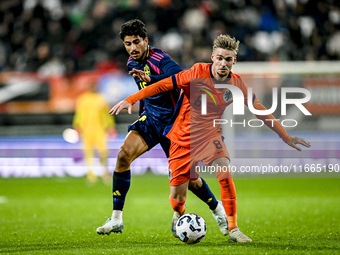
(226, 42)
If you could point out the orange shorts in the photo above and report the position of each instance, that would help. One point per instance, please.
(183, 160)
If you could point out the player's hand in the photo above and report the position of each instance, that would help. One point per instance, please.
(120, 106)
(297, 140)
(140, 74)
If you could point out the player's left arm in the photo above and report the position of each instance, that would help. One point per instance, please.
(273, 124)
(140, 75)
(168, 67)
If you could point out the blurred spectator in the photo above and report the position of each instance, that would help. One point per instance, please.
(83, 35)
(52, 68)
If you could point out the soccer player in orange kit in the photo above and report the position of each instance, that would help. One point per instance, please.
(148, 65)
(193, 136)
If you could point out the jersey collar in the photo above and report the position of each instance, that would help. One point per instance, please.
(148, 52)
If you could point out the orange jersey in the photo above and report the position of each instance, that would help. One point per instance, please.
(190, 125)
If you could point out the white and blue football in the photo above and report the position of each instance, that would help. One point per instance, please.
(191, 228)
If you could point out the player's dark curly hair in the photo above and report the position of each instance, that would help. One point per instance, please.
(133, 27)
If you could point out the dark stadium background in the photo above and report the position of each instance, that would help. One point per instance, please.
(50, 51)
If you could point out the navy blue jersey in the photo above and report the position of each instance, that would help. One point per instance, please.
(158, 65)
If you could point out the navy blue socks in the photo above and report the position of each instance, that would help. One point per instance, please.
(204, 193)
(120, 187)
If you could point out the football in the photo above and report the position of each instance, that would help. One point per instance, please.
(191, 228)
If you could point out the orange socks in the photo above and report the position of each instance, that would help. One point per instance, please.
(228, 197)
(232, 221)
(177, 206)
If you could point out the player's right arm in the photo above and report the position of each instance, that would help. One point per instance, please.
(161, 86)
(167, 67)
(178, 81)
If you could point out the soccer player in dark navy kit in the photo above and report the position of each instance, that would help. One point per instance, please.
(148, 65)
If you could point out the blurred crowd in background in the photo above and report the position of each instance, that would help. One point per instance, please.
(62, 37)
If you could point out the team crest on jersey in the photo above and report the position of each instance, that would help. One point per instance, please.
(147, 70)
(228, 96)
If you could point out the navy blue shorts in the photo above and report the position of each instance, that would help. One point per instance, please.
(152, 133)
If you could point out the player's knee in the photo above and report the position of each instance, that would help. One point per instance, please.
(123, 159)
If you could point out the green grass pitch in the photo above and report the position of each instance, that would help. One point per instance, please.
(60, 216)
